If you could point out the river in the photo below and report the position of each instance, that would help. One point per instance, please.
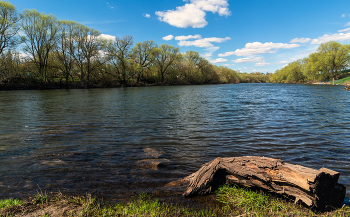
(106, 141)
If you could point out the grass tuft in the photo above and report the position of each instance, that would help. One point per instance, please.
(244, 201)
(7, 203)
(40, 198)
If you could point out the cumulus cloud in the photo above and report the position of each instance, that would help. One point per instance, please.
(219, 60)
(183, 37)
(348, 24)
(204, 42)
(147, 15)
(343, 15)
(344, 30)
(334, 37)
(249, 60)
(108, 37)
(229, 64)
(168, 37)
(255, 48)
(193, 13)
(300, 40)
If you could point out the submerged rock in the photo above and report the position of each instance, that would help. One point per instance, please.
(150, 152)
(152, 163)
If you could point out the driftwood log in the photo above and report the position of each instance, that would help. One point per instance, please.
(317, 188)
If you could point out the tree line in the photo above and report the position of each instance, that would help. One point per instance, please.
(40, 51)
(328, 63)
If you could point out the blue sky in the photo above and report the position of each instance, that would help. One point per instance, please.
(245, 35)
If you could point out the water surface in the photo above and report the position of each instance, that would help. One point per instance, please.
(108, 141)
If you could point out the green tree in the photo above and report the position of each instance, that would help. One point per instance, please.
(39, 38)
(120, 51)
(333, 57)
(9, 65)
(8, 25)
(208, 71)
(192, 72)
(143, 56)
(65, 46)
(88, 50)
(312, 67)
(166, 55)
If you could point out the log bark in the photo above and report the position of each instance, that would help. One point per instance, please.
(317, 188)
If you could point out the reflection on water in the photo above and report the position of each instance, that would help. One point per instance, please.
(114, 141)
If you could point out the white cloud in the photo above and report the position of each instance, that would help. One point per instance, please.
(108, 37)
(210, 52)
(229, 64)
(249, 60)
(348, 24)
(276, 63)
(219, 60)
(183, 38)
(204, 42)
(300, 40)
(262, 64)
(282, 62)
(193, 14)
(168, 37)
(334, 37)
(344, 30)
(147, 16)
(255, 48)
(25, 56)
(343, 15)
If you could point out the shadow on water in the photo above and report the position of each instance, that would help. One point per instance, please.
(117, 143)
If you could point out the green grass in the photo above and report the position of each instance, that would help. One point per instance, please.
(40, 198)
(7, 203)
(233, 201)
(243, 201)
(144, 205)
(345, 80)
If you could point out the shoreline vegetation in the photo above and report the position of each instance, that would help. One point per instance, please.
(38, 51)
(226, 201)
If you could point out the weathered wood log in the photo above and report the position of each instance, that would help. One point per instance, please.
(317, 188)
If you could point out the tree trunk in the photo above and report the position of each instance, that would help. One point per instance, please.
(67, 77)
(317, 188)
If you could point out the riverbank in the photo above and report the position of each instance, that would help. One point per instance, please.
(78, 85)
(226, 201)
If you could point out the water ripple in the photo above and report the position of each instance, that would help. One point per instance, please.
(99, 140)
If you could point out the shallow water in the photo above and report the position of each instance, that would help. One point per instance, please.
(108, 142)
